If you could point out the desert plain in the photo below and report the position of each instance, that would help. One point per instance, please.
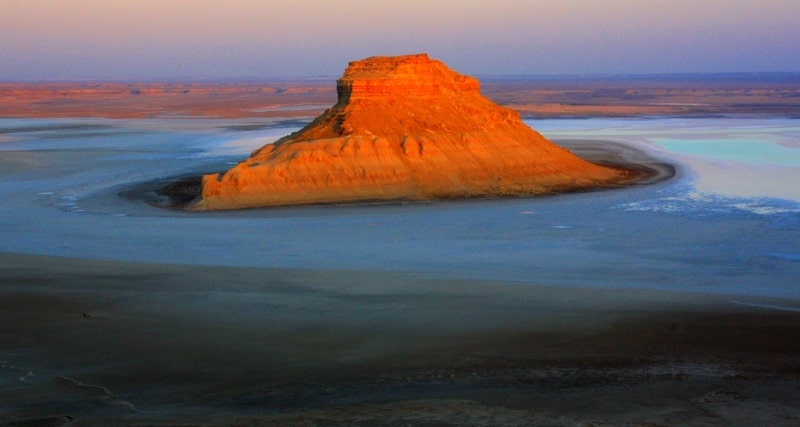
(91, 341)
(555, 96)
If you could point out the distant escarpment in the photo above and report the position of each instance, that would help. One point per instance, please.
(404, 128)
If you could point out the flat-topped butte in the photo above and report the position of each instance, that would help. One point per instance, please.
(404, 128)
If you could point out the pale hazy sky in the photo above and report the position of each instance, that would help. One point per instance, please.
(186, 39)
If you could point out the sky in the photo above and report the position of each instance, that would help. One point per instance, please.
(228, 39)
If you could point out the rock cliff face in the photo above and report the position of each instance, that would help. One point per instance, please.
(404, 128)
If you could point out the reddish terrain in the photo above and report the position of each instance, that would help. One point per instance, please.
(144, 100)
(693, 95)
(533, 97)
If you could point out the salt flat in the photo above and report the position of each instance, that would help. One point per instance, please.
(691, 233)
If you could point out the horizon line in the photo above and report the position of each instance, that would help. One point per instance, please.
(489, 76)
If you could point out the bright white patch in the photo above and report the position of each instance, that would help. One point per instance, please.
(244, 146)
(767, 306)
(732, 158)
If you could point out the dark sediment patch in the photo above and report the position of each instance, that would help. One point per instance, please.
(643, 167)
(170, 193)
(182, 191)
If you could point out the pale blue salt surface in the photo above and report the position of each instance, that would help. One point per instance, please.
(723, 225)
(737, 150)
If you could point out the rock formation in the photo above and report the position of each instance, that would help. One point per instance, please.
(404, 128)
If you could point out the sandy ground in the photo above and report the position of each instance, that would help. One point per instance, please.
(99, 343)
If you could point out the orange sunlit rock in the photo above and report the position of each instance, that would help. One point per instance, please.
(404, 128)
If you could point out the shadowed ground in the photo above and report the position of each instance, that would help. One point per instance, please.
(123, 343)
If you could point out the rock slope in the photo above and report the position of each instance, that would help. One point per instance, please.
(404, 128)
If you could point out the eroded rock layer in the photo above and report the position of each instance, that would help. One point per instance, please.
(404, 128)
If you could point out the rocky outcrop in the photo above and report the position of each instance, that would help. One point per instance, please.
(408, 128)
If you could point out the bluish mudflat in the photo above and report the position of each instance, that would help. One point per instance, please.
(729, 222)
